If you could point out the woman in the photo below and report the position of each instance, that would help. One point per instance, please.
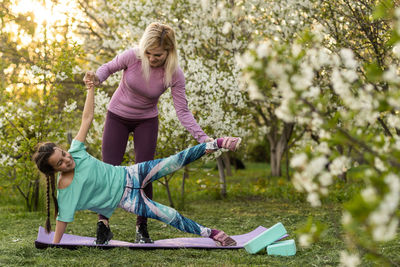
(148, 71)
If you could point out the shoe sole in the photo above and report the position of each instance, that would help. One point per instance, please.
(237, 144)
(230, 243)
(144, 241)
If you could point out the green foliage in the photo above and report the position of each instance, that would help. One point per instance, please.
(33, 94)
(384, 10)
(373, 71)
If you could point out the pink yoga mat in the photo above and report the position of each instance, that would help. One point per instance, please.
(74, 241)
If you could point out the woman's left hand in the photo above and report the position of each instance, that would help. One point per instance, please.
(208, 139)
(90, 79)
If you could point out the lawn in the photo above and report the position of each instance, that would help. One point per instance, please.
(253, 200)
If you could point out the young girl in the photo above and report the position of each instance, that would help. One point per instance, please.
(87, 183)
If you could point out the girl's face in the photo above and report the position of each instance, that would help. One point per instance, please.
(61, 161)
(156, 56)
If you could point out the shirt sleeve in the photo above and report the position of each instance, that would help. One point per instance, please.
(120, 62)
(65, 216)
(66, 213)
(78, 149)
(183, 113)
(76, 145)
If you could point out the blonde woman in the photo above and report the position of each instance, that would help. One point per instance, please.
(148, 71)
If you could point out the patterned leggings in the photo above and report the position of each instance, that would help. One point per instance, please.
(134, 199)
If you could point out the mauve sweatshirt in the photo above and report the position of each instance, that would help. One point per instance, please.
(137, 99)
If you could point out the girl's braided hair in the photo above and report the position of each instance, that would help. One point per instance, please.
(41, 158)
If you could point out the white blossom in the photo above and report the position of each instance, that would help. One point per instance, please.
(393, 121)
(323, 148)
(396, 49)
(298, 160)
(349, 260)
(70, 107)
(305, 240)
(369, 194)
(313, 199)
(347, 56)
(30, 103)
(385, 232)
(226, 28)
(62, 76)
(325, 179)
(339, 165)
(346, 218)
(263, 49)
(379, 164)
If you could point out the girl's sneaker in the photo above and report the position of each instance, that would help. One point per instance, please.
(142, 236)
(103, 234)
(222, 239)
(231, 143)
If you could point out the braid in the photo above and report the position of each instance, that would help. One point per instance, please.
(48, 225)
(41, 158)
(53, 189)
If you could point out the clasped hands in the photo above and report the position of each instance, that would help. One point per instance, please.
(91, 79)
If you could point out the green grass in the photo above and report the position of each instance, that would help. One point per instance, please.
(252, 200)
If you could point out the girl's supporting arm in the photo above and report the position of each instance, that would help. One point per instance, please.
(60, 229)
(88, 110)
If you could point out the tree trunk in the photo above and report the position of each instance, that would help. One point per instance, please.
(287, 164)
(276, 158)
(35, 195)
(171, 203)
(227, 164)
(278, 146)
(185, 176)
(221, 176)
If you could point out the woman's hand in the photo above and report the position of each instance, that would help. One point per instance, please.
(91, 79)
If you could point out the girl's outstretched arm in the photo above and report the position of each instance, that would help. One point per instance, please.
(88, 110)
(60, 229)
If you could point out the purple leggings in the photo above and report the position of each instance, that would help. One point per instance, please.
(115, 139)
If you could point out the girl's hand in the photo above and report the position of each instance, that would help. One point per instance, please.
(91, 79)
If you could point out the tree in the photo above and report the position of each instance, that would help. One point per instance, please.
(37, 73)
(342, 96)
(212, 90)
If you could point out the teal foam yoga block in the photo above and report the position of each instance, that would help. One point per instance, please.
(265, 238)
(282, 248)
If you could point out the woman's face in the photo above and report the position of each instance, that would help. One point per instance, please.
(61, 161)
(156, 56)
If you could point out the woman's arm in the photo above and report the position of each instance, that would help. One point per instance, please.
(88, 110)
(120, 62)
(183, 113)
(60, 229)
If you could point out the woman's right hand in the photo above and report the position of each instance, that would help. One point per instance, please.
(91, 79)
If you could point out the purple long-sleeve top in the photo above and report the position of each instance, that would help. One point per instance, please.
(137, 99)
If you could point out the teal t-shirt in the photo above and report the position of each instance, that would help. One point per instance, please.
(96, 186)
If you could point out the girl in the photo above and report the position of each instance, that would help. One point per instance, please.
(148, 70)
(87, 183)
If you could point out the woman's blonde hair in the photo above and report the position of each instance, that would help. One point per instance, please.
(156, 35)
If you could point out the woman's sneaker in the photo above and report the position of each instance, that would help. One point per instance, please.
(222, 239)
(231, 143)
(142, 236)
(103, 234)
